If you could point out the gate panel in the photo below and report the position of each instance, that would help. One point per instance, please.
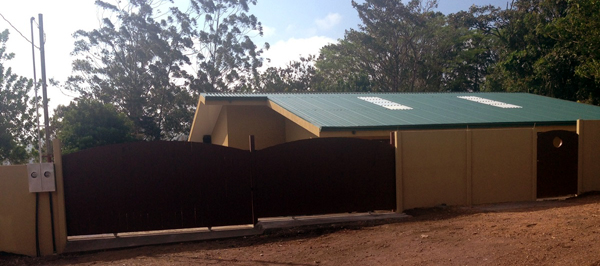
(326, 175)
(557, 153)
(154, 186)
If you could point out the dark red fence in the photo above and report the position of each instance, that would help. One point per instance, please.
(156, 185)
(170, 185)
(329, 175)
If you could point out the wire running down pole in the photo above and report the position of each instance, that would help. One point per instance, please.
(44, 87)
(46, 121)
(37, 111)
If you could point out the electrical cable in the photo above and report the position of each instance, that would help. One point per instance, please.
(37, 230)
(18, 30)
(46, 120)
(52, 222)
(37, 196)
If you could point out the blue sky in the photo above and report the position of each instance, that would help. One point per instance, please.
(292, 28)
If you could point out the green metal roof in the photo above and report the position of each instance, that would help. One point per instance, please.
(351, 111)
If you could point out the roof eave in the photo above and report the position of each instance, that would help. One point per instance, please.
(450, 126)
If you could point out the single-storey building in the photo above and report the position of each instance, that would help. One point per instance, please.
(228, 118)
(451, 148)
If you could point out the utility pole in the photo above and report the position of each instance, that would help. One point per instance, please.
(44, 86)
(46, 121)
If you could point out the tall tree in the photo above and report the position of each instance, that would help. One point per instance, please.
(227, 58)
(340, 71)
(296, 76)
(89, 123)
(545, 47)
(136, 61)
(474, 52)
(399, 47)
(17, 109)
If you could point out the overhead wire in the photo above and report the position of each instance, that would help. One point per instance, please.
(19, 31)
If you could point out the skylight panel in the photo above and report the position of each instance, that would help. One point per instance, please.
(489, 102)
(385, 103)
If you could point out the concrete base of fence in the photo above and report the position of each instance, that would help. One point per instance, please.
(124, 240)
(287, 222)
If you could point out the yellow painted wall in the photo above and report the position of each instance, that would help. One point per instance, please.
(589, 155)
(502, 165)
(572, 128)
(434, 168)
(295, 132)
(267, 126)
(464, 167)
(204, 122)
(17, 212)
(219, 135)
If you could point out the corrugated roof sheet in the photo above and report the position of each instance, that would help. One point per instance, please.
(349, 111)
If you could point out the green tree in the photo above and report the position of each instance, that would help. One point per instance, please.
(296, 76)
(474, 51)
(339, 70)
(17, 126)
(136, 61)
(578, 36)
(89, 123)
(545, 47)
(227, 58)
(399, 47)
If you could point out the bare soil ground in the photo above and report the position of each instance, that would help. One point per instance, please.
(537, 233)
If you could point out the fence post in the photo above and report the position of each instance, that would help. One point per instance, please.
(59, 199)
(252, 148)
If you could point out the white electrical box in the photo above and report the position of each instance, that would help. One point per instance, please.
(41, 177)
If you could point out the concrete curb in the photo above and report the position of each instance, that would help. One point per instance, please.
(125, 240)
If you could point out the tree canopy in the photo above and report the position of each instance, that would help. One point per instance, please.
(136, 62)
(17, 110)
(89, 123)
(142, 59)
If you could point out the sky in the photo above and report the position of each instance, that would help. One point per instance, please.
(293, 28)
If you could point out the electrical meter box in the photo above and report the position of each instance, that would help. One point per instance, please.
(41, 177)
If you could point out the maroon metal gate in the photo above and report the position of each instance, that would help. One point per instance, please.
(320, 176)
(156, 185)
(147, 186)
(557, 153)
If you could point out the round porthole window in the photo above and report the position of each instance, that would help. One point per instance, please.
(557, 142)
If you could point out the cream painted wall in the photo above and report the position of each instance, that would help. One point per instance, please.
(295, 132)
(219, 135)
(572, 128)
(267, 126)
(502, 165)
(464, 167)
(589, 155)
(434, 168)
(17, 212)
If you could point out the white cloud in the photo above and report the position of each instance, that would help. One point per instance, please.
(329, 21)
(282, 52)
(290, 28)
(268, 31)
